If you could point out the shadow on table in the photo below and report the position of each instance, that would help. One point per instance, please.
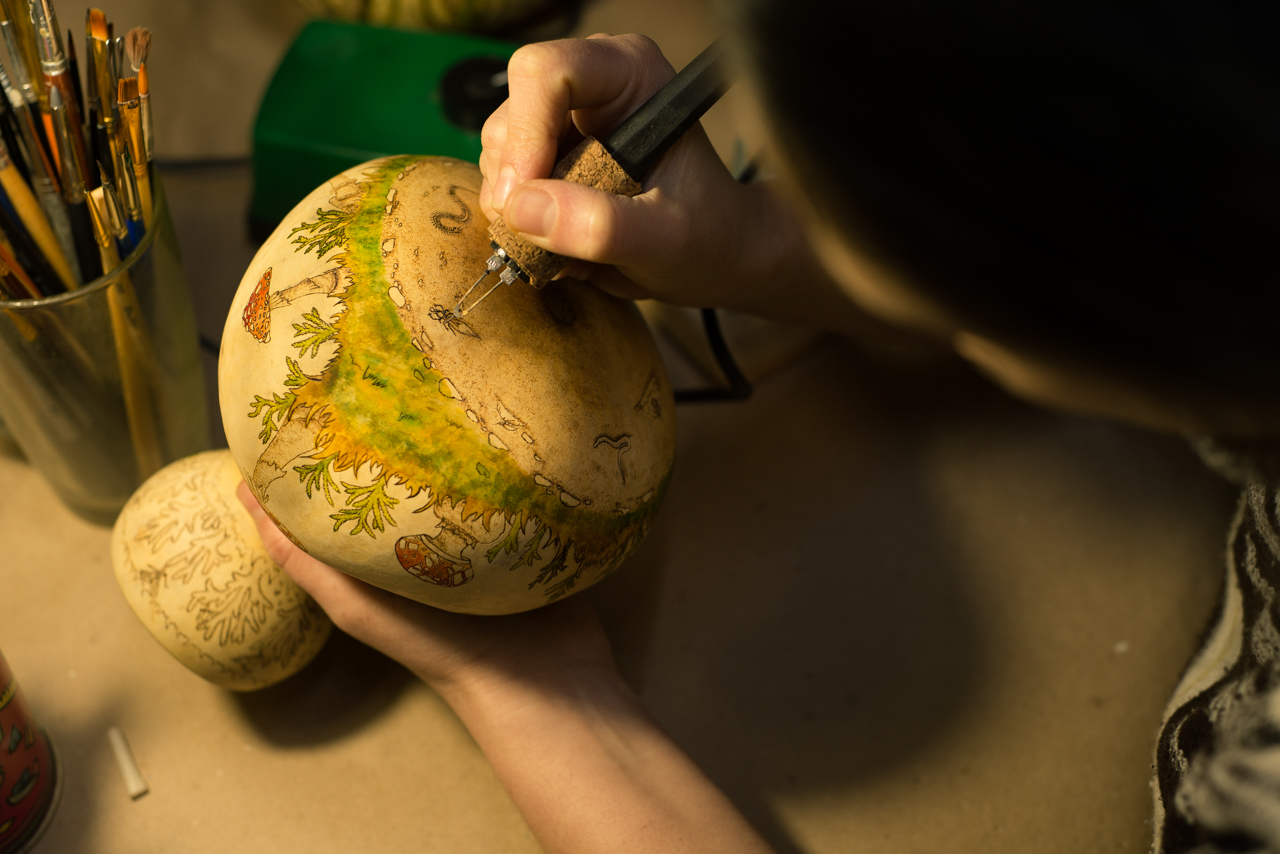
(343, 689)
(796, 620)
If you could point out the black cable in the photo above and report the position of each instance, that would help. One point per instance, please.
(739, 388)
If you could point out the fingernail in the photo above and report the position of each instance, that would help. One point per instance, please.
(532, 212)
(503, 186)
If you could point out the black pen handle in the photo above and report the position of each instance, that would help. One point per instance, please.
(639, 142)
(616, 164)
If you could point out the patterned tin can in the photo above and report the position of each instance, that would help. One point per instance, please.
(29, 777)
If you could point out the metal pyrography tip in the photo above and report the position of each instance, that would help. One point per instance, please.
(491, 265)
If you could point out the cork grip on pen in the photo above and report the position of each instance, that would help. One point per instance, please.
(589, 163)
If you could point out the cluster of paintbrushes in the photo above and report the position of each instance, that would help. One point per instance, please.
(75, 160)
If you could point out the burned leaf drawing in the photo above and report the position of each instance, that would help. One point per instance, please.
(621, 444)
(508, 419)
(234, 609)
(649, 397)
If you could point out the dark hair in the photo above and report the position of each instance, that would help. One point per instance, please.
(1086, 180)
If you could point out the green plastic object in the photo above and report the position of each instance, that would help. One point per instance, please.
(347, 93)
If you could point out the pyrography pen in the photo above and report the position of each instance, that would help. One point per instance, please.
(616, 164)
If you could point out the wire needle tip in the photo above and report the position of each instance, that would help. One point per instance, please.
(490, 266)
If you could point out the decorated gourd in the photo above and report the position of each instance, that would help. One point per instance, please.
(487, 464)
(458, 15)
(191, 565)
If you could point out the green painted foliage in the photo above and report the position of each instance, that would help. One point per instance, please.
(313, 331)
(316, 477)
(369, 507)
(274, 411)
(327, 233)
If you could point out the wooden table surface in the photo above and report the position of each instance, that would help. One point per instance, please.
(887, 609)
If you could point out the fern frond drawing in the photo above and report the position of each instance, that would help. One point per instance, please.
(510, 542)
(368, 507)
(554, 567)
(296, 378)
(327, 233)
(314, 331)
(274, 411)
(316, 477)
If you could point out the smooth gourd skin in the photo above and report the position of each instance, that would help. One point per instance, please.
(485, 465)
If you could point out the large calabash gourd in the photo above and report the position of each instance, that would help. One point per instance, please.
(485, 465)
(454, 15)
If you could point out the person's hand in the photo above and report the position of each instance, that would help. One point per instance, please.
(683, 240)
(447, 651)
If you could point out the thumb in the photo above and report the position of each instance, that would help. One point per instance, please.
(581, 222)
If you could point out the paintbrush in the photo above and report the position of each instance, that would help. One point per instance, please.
(118, 219)
(131, 343)
(73, 192)
(54, 66)
(25, 252)
(43, 179)
(20, 41)
(9, 132)
(128, 193)
(14, 280)
(73, 70)
(31, 216)
(104, 89)
(131, 128)
(137, 45)
(92, 97)
(19, 37)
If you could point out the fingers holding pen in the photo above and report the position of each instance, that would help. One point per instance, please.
(556, 86)
(584, 223)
